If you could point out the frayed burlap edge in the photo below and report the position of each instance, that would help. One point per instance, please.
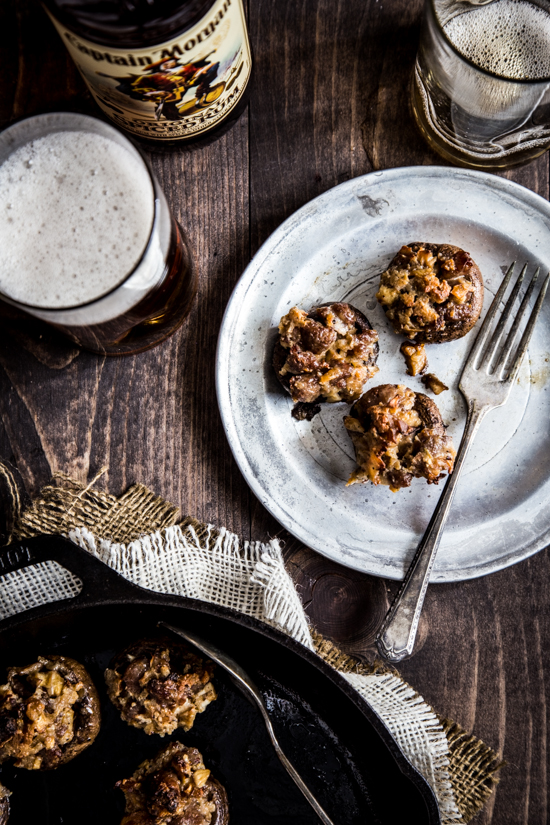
(66, 504)
(474, 768)
(473, 765)
(347, 664)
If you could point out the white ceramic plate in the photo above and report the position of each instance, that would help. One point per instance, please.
(334, 248)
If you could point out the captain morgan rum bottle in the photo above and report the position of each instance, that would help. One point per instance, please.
(162, 70)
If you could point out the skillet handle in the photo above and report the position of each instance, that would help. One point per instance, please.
(100, 584)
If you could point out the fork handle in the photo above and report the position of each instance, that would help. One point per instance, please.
(395, 640)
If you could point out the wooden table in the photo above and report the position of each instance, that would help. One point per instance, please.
(329, 103)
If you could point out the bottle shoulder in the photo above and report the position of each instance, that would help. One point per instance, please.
(128, 25)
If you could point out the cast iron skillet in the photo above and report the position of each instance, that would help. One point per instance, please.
(334, 738)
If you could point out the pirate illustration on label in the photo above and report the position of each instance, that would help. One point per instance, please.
(166, 82)
(172, 90)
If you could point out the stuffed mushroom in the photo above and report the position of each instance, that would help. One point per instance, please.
(49, 713)
(398, 435)
(174, 788)
(326, 354)
(159, 685)
(431, 293)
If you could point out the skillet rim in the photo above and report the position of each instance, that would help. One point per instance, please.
(109, 588)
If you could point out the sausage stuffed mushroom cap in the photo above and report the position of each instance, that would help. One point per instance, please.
(398, 435)
(174, 788)
(325, 355)
(159, 685)
(49, 713)
(431, 293)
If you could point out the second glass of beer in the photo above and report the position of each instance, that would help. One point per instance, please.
(88, 242)
(481, 88)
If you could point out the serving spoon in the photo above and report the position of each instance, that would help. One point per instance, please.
(245, 684)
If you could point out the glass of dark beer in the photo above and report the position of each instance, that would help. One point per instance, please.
(88, 242)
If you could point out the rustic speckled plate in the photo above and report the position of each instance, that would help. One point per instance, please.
(334, 248)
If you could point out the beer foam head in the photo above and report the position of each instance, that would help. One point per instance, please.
(76, 211)
(510, 38)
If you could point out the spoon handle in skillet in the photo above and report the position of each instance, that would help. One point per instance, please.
(292, 772)
(245, 684)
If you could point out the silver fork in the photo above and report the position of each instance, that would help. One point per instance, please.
(485, 383)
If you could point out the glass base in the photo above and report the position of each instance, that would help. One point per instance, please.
(150, 333)
(463, 158)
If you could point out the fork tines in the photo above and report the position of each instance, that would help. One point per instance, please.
(496, 356)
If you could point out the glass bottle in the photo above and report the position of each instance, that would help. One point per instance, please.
(165, 71)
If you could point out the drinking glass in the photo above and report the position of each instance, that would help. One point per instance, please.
(481, 85)
(138, 308)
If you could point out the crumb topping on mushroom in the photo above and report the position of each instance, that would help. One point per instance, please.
(49, 712)
(160, 685)
(326, 354)
(173, 788)
(398, 435)
(431, 293)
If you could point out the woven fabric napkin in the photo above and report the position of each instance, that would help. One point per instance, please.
(139, 536)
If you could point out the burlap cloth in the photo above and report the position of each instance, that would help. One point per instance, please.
(140, 535)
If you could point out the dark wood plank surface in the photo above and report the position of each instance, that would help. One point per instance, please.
(329, 102)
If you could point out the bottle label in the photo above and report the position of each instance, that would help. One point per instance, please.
(173, 90)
